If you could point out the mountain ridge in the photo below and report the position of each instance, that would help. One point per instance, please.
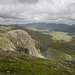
(52, 27)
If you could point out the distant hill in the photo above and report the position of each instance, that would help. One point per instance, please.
(52, 27)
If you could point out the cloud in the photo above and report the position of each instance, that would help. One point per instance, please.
(28, 1)
(25, 11)
(17, 1)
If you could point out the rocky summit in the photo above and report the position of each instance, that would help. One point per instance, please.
(19, 40)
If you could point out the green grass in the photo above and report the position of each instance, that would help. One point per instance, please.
(30, 28)
(19, 64)
(58, 55)
(60, 36)
(5, 28)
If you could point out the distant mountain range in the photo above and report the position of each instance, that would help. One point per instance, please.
(52, 27)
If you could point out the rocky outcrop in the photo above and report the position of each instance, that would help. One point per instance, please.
(19, 40)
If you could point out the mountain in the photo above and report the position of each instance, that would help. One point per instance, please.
(48, 44)
(28, 51)
(53, 27)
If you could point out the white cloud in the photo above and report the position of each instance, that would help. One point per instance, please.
(24, 11)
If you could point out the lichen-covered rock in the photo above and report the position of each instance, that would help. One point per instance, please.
(19, 40)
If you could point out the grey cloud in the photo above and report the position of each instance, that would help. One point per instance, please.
(25, 11)
(28, 1)
(17, 1)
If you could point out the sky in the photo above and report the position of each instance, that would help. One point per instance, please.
(34, 11)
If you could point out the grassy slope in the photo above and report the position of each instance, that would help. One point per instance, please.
(19, 64)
